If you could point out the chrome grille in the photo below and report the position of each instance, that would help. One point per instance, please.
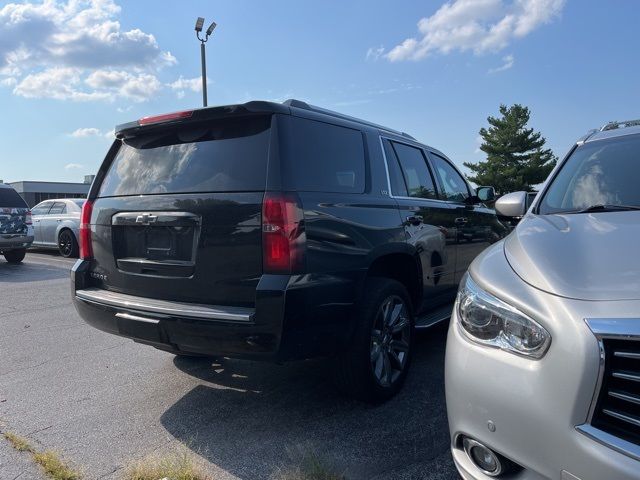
(618, 407)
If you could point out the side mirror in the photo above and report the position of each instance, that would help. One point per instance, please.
(486, 194)
(512, 204)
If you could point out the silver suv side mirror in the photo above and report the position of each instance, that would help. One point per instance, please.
(512, 204)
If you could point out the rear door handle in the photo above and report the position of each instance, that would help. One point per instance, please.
(461, 220)
(415, 219)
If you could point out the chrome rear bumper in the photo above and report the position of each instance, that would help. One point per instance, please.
(164, 307)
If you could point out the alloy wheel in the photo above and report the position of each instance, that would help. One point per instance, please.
(390, 340)
(65, 244)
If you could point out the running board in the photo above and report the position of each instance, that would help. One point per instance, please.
(433, 317)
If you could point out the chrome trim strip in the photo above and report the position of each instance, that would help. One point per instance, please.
(624, 396)
(622, 446)
(164, 307)
(632, 355)
(626, 376)
(128, 316)
(622, 417)
(616, 328)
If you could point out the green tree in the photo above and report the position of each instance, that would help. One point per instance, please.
(516, 157)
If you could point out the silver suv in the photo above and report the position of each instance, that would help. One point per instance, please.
(16, 229)
(543, 352)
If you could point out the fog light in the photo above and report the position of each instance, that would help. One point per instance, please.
(483, 457)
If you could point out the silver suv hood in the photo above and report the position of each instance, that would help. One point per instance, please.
(590, 256)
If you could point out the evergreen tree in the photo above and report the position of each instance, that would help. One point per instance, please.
(516, 159)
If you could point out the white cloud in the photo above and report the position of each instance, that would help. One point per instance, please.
(85, 132)
(67, 50)
(508, 62)
(182, 84)
(374, 54)
(478, 25)
(73, 166)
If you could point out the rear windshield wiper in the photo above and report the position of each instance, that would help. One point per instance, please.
(607, 208)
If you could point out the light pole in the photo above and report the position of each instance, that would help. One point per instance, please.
(199, 25)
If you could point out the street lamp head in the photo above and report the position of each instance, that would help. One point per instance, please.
(211, 28)
(199, 24)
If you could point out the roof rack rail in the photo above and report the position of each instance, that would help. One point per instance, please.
(305, 106)
(616, 125)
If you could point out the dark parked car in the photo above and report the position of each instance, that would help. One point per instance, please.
(57, 225)
(276, 232)
(16, 229)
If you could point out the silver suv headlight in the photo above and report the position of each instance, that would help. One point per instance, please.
(489, 321)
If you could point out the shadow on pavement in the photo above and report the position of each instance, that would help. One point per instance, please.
(27, 272)
(250, 418)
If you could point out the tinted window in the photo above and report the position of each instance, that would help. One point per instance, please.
(325, 158)
(454, 187)
(9, 198)
(58, 208)
(398, 187)
(41, 209)
(415, 170)
(597, 173)
(219, 157)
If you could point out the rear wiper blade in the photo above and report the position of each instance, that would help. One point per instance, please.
(608, 208)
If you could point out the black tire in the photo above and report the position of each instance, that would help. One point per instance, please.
(375, 367)
(15, 256)
(67, 244)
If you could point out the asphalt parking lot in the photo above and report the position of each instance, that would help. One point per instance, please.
(104, 401)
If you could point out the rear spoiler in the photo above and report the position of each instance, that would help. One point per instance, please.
(158, 122)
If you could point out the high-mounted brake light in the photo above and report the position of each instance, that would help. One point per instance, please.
(167, 117)
(283, 235)
(86, 250)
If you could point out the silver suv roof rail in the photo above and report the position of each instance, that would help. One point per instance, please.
(615, 125)
(305, 106)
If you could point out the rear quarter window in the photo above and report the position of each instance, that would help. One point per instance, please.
(324, 158)
(9, 198)
(224, 156)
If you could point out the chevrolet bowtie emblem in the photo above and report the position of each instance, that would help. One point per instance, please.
(146, 218)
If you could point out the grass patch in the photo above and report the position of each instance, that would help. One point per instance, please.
(50, 462)
(309, 467)
(176, 466)
(54, 467)
(17, 442)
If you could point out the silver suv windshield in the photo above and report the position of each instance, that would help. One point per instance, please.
(599, 176)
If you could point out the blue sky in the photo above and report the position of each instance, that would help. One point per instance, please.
(71, 70)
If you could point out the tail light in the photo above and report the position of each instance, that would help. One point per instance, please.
(28, 219)
(283, 237)
(86, 250)
(167, 117)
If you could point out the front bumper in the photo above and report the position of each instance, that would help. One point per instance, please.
(535, 407)
(294, 317)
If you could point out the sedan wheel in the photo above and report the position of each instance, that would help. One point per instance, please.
(67, 244)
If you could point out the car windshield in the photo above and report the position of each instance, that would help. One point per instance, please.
(599, 176)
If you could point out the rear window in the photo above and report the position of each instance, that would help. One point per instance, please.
(325, 158)
(9, 198)
(225, 156)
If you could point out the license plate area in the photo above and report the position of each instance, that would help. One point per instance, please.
(156, 243)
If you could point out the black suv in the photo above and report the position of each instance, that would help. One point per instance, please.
(277, 232)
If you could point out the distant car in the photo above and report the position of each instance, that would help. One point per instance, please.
(16, 230)
(56, 225)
